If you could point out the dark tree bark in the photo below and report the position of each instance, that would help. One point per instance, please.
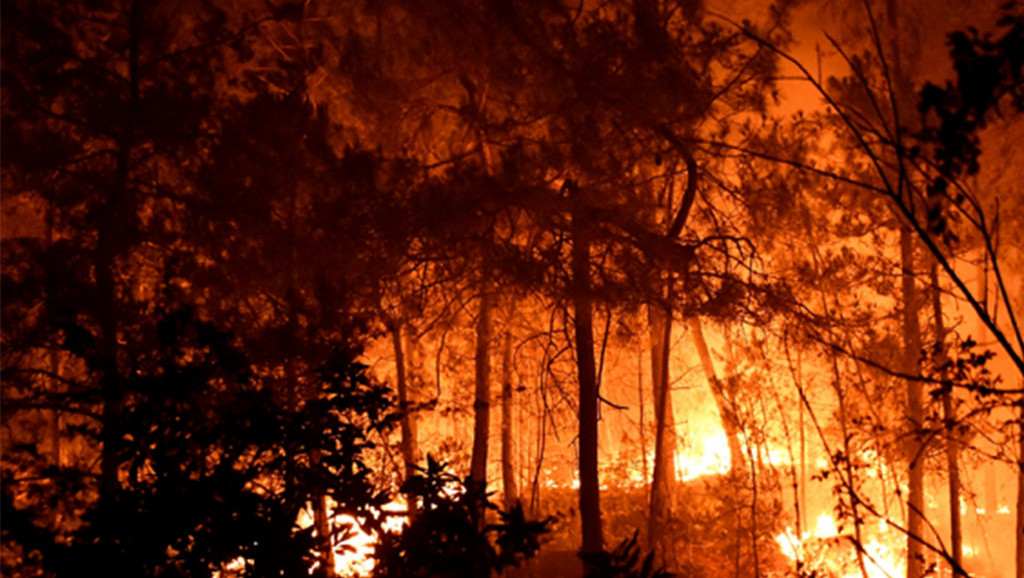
(663, 476)
(949, 419)
(482, 401)
(117, 215)
(660, 323)
(406, 424)
(582, 301)
(911, 327)
(508, 479)
(915, 407)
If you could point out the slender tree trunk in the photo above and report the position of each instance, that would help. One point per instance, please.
(663, 477)
(660, 322)
(902, 91)
(407, 443)
(321, 515)
(508, 479)
(56, 450)
(482, 402)
(112, 391)
(915, 408)
(949, 419)
(848, 469)
(322, 521)
(55, 433)
(320, 505)
(117, 215)
(590, 497)
(730, 424)
(801, 521)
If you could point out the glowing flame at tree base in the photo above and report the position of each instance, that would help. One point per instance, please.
(826, 551)
(352, 545)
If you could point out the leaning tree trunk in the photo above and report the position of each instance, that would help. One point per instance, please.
(663, 477)
(730, 424)
(582, 301)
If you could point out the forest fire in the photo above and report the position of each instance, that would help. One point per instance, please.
(825, 551)
(353, 547)
(480, 288)
(708, 455)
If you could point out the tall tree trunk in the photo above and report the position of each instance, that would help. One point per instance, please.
(949, 419)
(663, 477)
(321, 509)
(508, 479)
(590, 496)
(55, 428)
(116, 216)
(660, 322)
(321, 513)
(482, 401)
(902, 90)
(848, 469)
(730, 424)
(320, 505)
(407, 443)
(802, 517)
(915, 408)
(112, 392)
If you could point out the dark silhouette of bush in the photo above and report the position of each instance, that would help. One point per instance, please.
(624, 562)
(449, 536)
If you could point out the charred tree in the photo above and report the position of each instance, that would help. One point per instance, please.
(508, 478)
(406, 420)
(663, 476)
(660, 317)
(117, 214)
(582, 303)
(482, 397)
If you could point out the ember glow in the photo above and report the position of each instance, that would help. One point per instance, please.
(829, 552)
(354, 547)
(709, 455)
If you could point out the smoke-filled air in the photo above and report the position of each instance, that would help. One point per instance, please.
(512, 288)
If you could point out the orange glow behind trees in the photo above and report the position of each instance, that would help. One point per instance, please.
(432, 287)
